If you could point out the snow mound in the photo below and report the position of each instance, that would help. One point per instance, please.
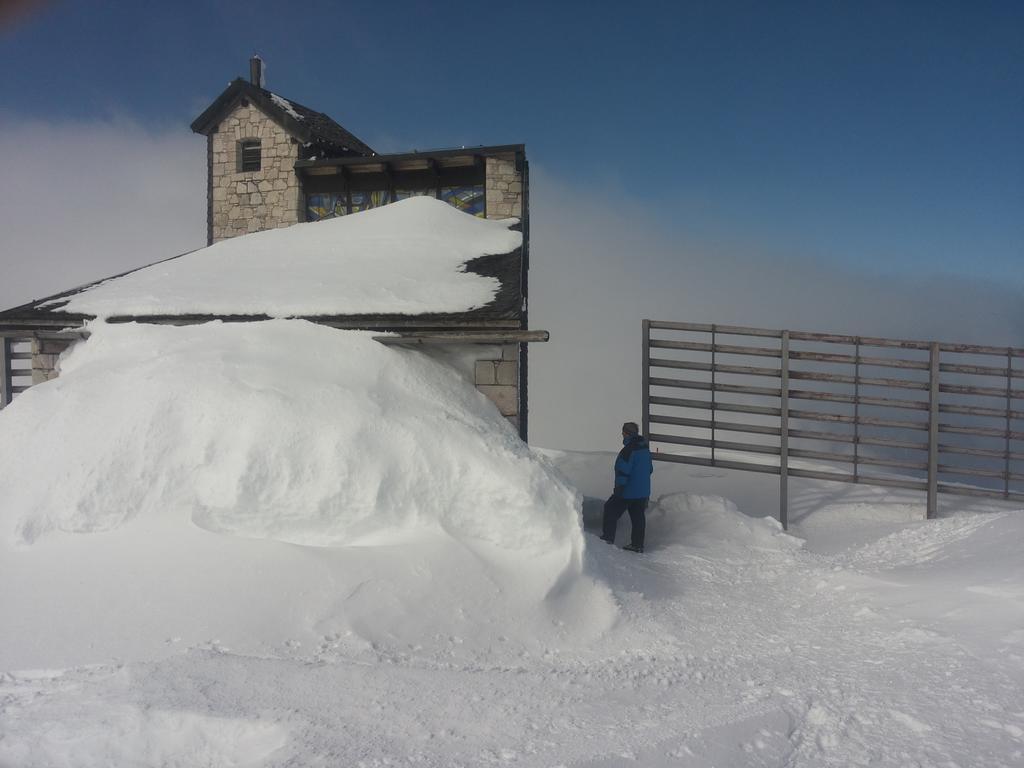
(166, 480)
(711, 521)
(283, 430)
(406, 258)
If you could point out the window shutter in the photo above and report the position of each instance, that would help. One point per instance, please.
(250, 156)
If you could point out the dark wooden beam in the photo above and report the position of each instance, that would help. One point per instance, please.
(346, 181)
(463, 337)
(485, 151)
(436, 174)
(389, 176)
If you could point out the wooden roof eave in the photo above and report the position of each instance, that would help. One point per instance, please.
(501, 149)
(36, 327)
(381, 323)
(403, 339)
(211, 116)
(304, 130)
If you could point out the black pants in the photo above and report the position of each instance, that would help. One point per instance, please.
(613, 509)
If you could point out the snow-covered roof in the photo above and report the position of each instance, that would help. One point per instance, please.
(407, 258)
(286, 105)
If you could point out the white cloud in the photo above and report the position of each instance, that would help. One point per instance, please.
(85, 200)
(600, 265)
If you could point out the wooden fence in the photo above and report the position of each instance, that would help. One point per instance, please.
(929, 416)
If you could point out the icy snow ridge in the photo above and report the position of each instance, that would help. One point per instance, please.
(406, 258)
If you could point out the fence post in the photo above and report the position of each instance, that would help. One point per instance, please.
(784, 435)
(645, 426)
(714, 363)
(933, 429)
(5, 372)
(856, 412)
(1009, 420)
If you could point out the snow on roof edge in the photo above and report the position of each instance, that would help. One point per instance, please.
(406, 258)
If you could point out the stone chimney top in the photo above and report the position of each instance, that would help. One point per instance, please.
(256, 76)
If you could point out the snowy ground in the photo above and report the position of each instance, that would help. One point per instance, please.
(865, 636)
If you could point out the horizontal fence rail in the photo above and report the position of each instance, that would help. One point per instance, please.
(928, 416)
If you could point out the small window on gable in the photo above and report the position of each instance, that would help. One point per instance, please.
(249, 155)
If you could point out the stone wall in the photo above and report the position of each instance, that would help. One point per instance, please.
(253, 201)
(503, 188)
(45, 353)
(498, 379)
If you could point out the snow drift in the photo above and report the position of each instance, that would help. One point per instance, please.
(431, 513)
(283, 430)
(733, 646)
(704, 521)
(405, 258)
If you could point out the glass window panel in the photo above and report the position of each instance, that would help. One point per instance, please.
(469, 199)
(364, 201)
(324, 206)
(403, 194)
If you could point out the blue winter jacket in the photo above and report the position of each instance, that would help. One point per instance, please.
(633, 469)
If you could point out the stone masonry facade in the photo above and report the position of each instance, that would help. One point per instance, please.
(503, 188)
(253, 201)
(499, 379)
(45, 354)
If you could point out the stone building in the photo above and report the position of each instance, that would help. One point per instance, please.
(271, 163)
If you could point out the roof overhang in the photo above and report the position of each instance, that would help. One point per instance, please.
(409, 161)
(238, 89)
(411, 326)
(43, 331)
(412, 338)
(301, 129)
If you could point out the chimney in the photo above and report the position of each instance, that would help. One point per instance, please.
(256, 72)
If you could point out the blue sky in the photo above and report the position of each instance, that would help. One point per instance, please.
(887, 136)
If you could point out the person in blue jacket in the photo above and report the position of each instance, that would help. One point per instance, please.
(633, 469)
